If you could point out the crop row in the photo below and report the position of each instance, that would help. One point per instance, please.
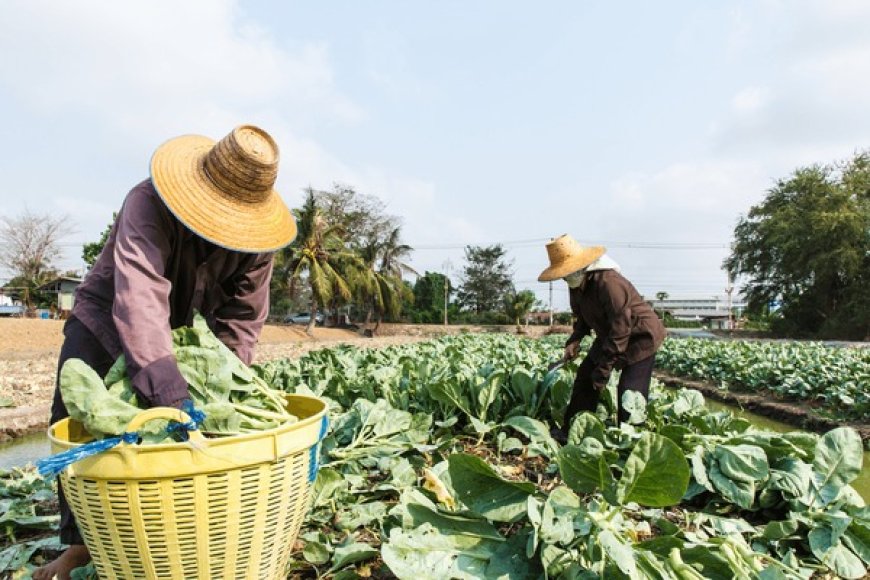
(837, 379)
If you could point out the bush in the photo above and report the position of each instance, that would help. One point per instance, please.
(564, 318)
(490, 317)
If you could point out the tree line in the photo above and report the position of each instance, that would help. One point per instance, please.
(802, 254)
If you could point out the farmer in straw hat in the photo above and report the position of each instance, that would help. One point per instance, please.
(627, 330)
(197, 236)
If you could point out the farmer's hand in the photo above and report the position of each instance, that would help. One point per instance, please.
(571, 350)
(179, 403)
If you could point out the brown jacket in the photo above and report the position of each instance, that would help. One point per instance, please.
(626, 327)
(151, 276)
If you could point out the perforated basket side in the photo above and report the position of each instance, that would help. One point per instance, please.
(235, 524)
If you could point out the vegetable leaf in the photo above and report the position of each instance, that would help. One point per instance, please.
(484, 492)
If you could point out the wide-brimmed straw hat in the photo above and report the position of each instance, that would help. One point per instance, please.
(224, 191)
(567, 256)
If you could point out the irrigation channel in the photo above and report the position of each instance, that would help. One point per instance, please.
(24, 450)
(29, 448)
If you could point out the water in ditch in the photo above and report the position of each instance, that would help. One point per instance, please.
(23, 450)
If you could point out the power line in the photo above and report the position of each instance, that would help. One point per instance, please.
(643, 245)
(456, 246)
(646, 245)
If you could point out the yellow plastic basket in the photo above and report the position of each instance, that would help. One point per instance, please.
(208, 508)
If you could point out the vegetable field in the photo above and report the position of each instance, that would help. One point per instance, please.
(439, 464)
(837, 379)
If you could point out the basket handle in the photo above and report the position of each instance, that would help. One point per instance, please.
(169, 413)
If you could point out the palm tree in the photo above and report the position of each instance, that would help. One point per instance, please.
(366, 287)
(318, 252)
(381, 289)
(349, 265)
(518, 305)
(393, 252)
(661, 297)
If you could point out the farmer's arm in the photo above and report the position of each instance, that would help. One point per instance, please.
(239, 321)
(615, 301)
(141, 306)
(581, 329)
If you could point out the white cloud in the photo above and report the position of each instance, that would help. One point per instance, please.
(148, 67)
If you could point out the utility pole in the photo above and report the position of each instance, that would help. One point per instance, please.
(446, 283)
(446, 287)
(551, 303)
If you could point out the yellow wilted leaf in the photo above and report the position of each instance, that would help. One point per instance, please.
(432, 483)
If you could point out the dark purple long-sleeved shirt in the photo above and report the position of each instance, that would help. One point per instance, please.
(151, 276)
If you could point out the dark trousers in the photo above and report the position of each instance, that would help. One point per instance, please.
(79, 343)
(635, 377)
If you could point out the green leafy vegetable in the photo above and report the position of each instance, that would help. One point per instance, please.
(234, 398)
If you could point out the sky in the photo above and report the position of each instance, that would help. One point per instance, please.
(649, 128)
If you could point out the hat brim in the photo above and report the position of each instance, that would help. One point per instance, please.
(180, 180)
(571, 264)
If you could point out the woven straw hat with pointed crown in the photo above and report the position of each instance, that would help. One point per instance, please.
(568, 256)
(224, 191)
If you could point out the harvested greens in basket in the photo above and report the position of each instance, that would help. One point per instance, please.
(235, 400)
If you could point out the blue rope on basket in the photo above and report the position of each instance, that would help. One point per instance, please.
(313, 463)
(196, 419)
(53, 465)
